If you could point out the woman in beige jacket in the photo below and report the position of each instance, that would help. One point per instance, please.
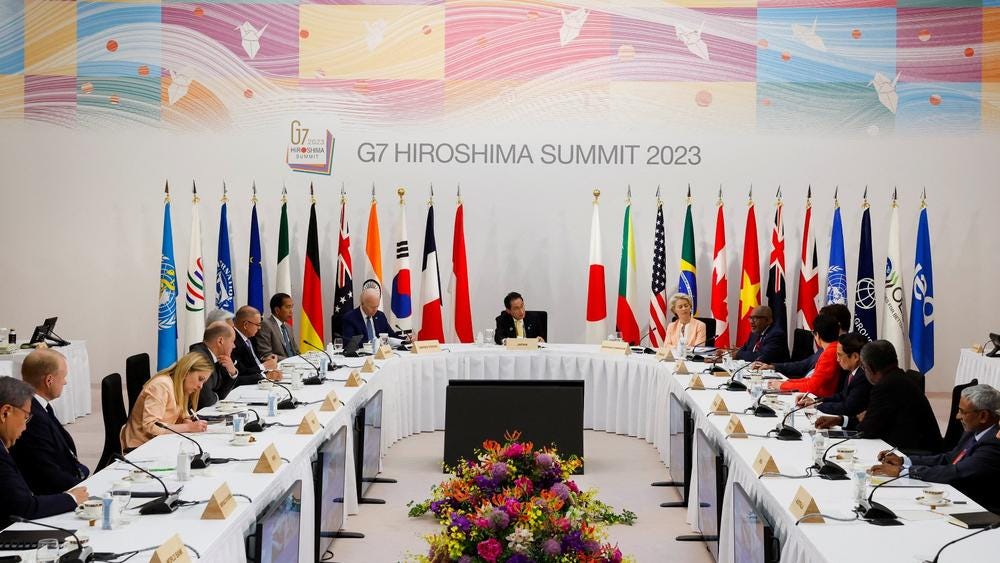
(168, 397)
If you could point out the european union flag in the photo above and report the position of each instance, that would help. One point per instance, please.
(166, 316)
(922, 302)
(225, 291)
(255, 293)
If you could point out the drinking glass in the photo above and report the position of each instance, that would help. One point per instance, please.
(490, 335)
(338, 346)
(121, 495)
(47, 551)
(618, 336)
(383, 339)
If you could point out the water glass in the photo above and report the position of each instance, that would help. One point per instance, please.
(479, 338)
(47, 551)
(338, 345)
(859, 476)
(239, 420)
(383, 339)
(490, 335)
(121, 495)
(618, 336)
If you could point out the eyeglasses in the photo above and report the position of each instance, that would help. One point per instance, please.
(27, 414)
(254, 324)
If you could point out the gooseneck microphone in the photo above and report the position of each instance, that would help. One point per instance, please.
(870, 510)
(256, 425)
(332, 366)
(199, 461)
(732, 384)
(830, 470)
(79, 555)
(965, 537)
(764, 411)
(789, 433)
(162, 505)
(316, 379)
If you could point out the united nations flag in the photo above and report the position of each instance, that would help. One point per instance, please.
(167, 303)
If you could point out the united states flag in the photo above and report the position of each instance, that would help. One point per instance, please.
(658, 299)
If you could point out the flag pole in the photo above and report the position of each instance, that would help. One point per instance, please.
(895, 197)
(597, 195)
(166, 191)
(343, 194)
(253, 199)
(459, 194)
(225, 193)
(312, 194)
(689, 195)
(194, 193)
(373, 192)
(923, 199)
(628, 195)
(430, 201)
(658, 200)
(284, 194)
(864, 204)
(401, 192)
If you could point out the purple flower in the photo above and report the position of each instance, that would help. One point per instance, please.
(518, 558)
(465, 559)
(572, 542)
(499, 471)
(551, 547)
(437, 505)
(498, 519)
(461, 522)
(543, 460)
(561, 490)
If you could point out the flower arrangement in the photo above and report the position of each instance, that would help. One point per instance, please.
(518, 505)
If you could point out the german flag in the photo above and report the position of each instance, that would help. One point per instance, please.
(311, 330)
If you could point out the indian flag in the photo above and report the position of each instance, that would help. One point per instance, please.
(625, 316)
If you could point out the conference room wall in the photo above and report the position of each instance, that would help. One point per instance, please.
(82, 211)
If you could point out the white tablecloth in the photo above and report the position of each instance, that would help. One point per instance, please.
(976, 366)
(75, 401)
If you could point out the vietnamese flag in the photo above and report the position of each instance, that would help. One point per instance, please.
(749, 278)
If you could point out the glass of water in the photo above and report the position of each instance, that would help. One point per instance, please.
(383, 339)
(121, 495)
(338, 345)
(47, 551)
(490, 335)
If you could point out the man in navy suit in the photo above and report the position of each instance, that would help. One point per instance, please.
(767, 342)
(366, 320)
(46, 453)
(973, 466)
(249, 366)
(17, 498)
(515, 321)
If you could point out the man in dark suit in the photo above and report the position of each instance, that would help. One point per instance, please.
(217, 347)
(767, 342)
(275, 338)
(802, 368)
(17, 498)
(46, 453)
(973, 466)
(517, 322)
(852, 397)
(366, 320)
(249, 367)
(897, 411)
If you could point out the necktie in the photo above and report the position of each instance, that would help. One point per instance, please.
(370, 327)
(519, 328)
(971, 441)
(52, 412)
(287, 340)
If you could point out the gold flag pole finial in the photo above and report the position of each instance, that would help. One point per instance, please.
(401, 191)
(194, 193)
(597, 195)
(284, 194)
(923, 198)
(864, 204)
(458, 193)
(166, 191)
(809, 195)
(312, 194)
(253, 199)
(373, 192)
(225, 193)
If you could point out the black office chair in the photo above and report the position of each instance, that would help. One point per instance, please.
(113, 411)
(803, 345)
(136, 375)
(709, 330)
(543, 321)
(919, 379)
(954, 431)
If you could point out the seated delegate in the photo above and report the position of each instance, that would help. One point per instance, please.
(168, 397)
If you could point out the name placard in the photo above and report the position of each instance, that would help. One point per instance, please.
(384, 352)
(368, 367)
(522, 344)
(354, 380)
(269, 461)
(171, 551)
(220, 505)
(803, 504)
(664, 355)
(735, 428)
(616, 347)
(696, 383)
(426, 347)
(331, 402)
(681, 368)
(718, 405)
(764, 463)
(309, 425)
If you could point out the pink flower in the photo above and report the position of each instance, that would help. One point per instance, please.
(489, 550)
(572, 486)
(514, 450)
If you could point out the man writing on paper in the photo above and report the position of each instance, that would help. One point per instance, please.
(767, 342)
(250, 368)
(366, 320)
(973, 466)
(517, 322)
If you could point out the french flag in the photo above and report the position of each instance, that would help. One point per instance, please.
(432, 319)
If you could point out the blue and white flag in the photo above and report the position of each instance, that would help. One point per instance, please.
(166, 315)
(865, 314)
(922, 302)
(836, 275)
(255, 274)
(225, 291)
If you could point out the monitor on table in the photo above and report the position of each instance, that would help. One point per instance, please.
(681, 437)
(330, 477)
(712, 473)
(753, 537)
(278, 530)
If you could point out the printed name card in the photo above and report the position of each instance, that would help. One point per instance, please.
(522, 344)
(220, 505)
(269, 461)
(353, 380)
(718, 405)
(309, 425)
(331, 402)
(368, 367)
(172, 551)
(384, 352)
(804, 504)
(735, 428)
(616, 347)
(426, 346)
(664, 355)
(696, 383)
(764, 463)
(681, 368)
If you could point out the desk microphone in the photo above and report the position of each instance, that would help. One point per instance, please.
(163, 505)
(79, 555)
(788, 433)
(764, 411)
(199, 461)
(332, 366)
(830, 470)
(870, 510)
(967, 536)
(255, 426)
(316, 379)
(732, 384)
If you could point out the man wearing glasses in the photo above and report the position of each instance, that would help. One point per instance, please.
(250, 368)
(767, 342)
(17, 498)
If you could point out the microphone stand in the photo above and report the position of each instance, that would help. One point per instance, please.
(967, 536)
(830, 470)
(79, 555)
(871, 510)
(789, 433)
(764, 411)
(311, 380)
(732, 384)
(163, 505)
(333, 365)
(255, 426)
(199, 461)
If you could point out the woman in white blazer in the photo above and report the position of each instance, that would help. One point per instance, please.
(686, 327)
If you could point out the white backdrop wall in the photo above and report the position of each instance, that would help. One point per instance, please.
(81, 216)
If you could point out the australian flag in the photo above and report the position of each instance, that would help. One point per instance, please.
(922, 302)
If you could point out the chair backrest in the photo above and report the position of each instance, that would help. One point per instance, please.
(709, 330)
(543, 320)
(113, 411)
(954, 431)
(803, 344)
(918, 378)
(136, 375)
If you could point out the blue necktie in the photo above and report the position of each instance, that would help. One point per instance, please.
(288, 342)
(370, 327)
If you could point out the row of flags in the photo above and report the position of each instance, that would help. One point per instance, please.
(920, 335)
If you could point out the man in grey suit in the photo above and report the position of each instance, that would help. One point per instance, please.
(274, 336)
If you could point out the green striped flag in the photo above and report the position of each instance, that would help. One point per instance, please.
(625, 317)
(284, 281)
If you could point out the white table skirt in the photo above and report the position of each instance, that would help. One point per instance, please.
(75, 401)
(977, 366)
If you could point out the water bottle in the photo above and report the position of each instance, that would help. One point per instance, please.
(819, 448)
(272, 404)
(183, 468)
(324, 364)
(106, 509)
(859, 475)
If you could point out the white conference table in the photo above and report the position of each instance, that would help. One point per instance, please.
(972, 365)
(624, 395)
(75, 401)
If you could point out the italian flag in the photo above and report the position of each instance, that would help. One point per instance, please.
(625, 316)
